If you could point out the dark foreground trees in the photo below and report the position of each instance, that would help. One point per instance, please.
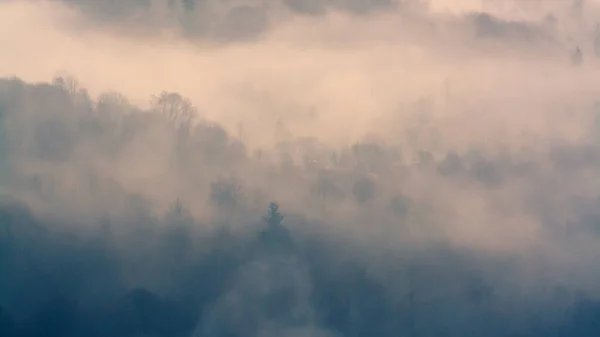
(276, 284)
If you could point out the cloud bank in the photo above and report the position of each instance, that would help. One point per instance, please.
(436, 162)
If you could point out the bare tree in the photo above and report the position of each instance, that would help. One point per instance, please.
(79, 94)
(177, 109)
(226, 193)
(68, 83)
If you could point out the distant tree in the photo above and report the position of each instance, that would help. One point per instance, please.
(275, 239)
(399, 206)
(177, 109)
(212, 142)
(177, 207)
(274, 217)
(179, 215)
(369, 156)
(68, 83)
(452, 164)
(364, 189)
(78, 94)
(226, 193)
(326, 188)
(179, 221)
(425, 159)
(484, 171)
(113, 103)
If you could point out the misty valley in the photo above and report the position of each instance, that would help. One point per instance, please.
(287, 168)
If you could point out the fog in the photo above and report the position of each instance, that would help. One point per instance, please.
(299, 168)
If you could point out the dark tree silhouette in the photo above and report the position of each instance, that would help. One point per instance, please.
(275, 239)
(274, 217)
(179, 111)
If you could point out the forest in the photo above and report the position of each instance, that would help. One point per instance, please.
(299, 240)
